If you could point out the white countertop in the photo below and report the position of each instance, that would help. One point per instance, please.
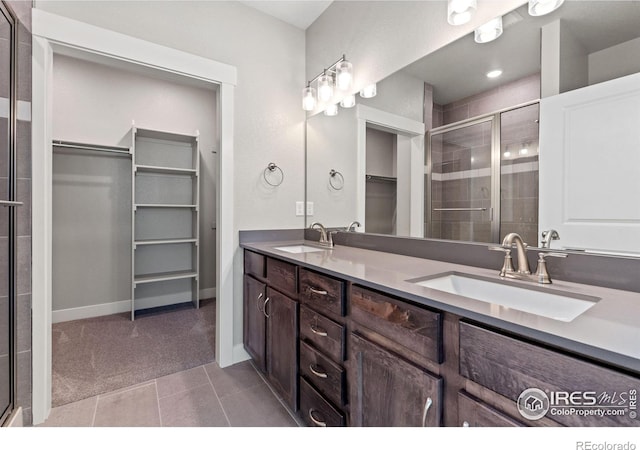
(609, 331)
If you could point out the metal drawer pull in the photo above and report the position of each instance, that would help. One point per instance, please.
(465, 424)
(318, 291)
(264, 308)
(427, 405)
(316, 421)
(10, 203)
(258, 302)
(318, 331)
(316, 372)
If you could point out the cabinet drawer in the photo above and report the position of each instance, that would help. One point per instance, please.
(327, 376)
(508, 366)
(417, 329)
(474, 413)
(315, 410)
(254, 264)
(282, 275)
(322, 292)
(325, 334)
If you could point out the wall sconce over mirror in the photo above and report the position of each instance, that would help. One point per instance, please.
(460, 12)
(339, 76)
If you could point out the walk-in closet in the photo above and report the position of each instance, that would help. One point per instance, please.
(133, 226)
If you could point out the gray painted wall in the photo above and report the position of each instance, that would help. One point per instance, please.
(96, 104)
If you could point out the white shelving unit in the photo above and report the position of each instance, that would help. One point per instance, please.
(165, 198)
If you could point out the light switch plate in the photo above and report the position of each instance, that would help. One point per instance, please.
(309, 208)
(299, 208)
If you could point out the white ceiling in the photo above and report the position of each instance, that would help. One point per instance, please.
(301, 13)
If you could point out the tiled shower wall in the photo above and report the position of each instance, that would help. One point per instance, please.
(22, 10)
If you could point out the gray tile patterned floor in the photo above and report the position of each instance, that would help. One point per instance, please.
(205, 396)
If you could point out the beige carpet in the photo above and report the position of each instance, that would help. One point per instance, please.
(97, 355)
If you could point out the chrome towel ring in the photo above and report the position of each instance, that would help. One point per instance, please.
(268, 173)
(336, 180)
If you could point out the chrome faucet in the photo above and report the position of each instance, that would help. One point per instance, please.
(326, 238)
(523, 272)
(353, 225)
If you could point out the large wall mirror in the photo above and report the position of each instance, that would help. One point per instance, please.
(449, 150)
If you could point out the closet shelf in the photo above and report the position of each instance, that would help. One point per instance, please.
(161, 205)
(165, 276)
(161, 169)
(165, 241)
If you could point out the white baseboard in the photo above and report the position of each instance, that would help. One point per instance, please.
(16, 419)
(84, 312)
(239, 354)
(104, 309)
(207, 293)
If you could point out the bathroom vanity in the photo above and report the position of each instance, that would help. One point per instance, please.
(355, 337)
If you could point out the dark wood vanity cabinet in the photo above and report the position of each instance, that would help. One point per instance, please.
(271, 322)
(350, 355)
(323, 392)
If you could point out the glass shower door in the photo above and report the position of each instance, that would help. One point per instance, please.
(7, 191)
(460, 183)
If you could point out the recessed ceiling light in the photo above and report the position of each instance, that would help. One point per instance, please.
(494, 73)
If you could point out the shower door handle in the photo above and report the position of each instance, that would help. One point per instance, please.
(10, 203)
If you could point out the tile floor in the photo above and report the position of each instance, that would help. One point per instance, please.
(205, 396)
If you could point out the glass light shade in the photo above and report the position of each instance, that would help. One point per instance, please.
(344, 75)
(308, 98)
(489, 31)
(348, 102)
(494, 73)
(369, 91)
(325, 87)
(542, 7)
(460, 11)
(331, 110)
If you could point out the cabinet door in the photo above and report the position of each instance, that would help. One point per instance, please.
(475, 413)
(282, 345)
(255, 320)
(386, 390)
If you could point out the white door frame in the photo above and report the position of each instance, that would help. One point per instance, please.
(410, 136)
(55, 34)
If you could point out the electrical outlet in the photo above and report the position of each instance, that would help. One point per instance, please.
(309, 208)
(299, 208)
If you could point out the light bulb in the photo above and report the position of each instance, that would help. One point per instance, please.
(542, 7)
(344, 75)
(369, 91)
(507, 154)
(348, 102)
(494, 73)
(325, 87)
(460, 11)
(308, 98)
(524, 151)
(489, 31)
(331, 110)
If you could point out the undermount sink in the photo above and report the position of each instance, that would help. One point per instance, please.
(301, 248)
(553, 304)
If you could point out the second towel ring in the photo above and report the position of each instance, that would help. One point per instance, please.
(332, 177)
(271, 168)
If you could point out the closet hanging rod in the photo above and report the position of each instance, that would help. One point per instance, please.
(92, 147)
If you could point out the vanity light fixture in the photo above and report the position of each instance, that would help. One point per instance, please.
(338, 75)
(331, 110)
(308, 98)
(542, 7)
(489, 31)
(348, 102)
(494, 73)
(459, 12)
(369, 91)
